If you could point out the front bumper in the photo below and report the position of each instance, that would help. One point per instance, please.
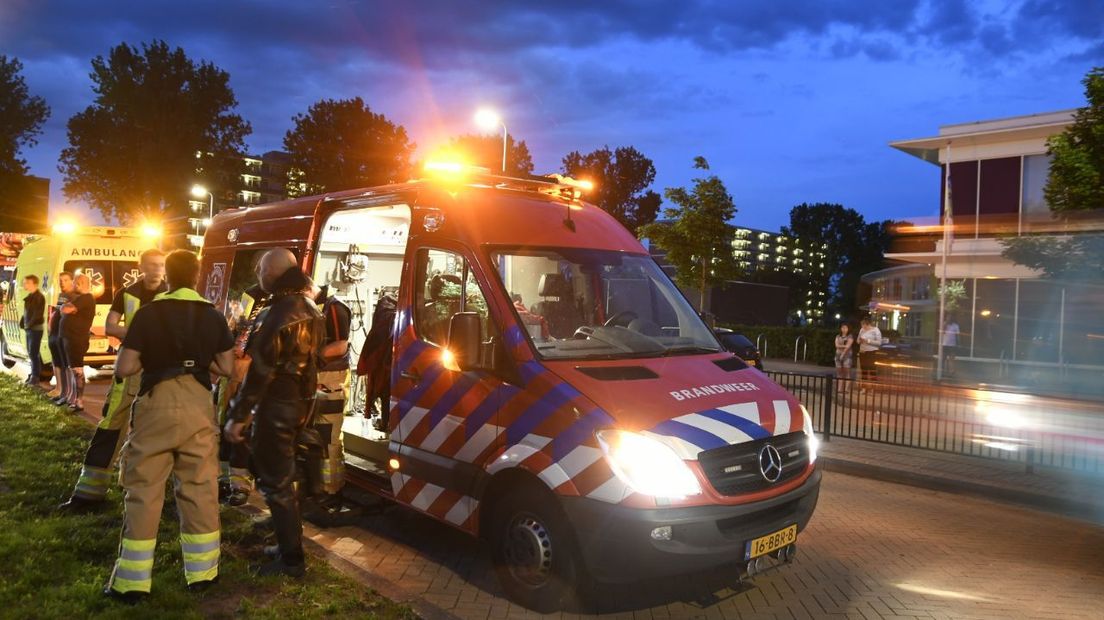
(617, 546)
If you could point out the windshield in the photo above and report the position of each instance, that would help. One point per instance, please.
(597, 304)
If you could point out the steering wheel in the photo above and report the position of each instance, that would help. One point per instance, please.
(583, 332)
(626, 315)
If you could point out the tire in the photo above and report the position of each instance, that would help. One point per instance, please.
(534, 552)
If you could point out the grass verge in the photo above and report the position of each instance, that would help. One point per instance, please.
(54, 566)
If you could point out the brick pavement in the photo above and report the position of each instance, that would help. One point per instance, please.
(873, 550)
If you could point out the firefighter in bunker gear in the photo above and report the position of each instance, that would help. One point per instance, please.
(277, 394)
(176, 341)
(103, 450)
(235, 479)
(329, 413)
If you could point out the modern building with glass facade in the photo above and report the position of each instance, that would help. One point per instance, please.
(1013, 321)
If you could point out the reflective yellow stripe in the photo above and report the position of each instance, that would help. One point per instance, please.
(199, 539)
(201, 556)
(247, 302)
(139, 545)
(130, 306)
(134, 568)
(124, 585)
(115, 396)
(94, 480)
(182, 294)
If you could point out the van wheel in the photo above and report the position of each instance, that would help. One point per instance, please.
(534, 553)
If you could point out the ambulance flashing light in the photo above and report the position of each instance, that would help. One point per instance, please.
(65, 227)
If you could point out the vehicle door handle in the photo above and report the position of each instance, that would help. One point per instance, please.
(412, 375)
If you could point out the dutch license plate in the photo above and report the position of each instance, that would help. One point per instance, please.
(771, 542)
(98, 345)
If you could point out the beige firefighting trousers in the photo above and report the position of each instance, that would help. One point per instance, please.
(173, 434)
(329, 418)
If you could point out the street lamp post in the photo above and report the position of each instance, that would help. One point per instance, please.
(488, 119)
(199, 191)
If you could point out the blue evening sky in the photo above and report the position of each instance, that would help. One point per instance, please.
(790, 101)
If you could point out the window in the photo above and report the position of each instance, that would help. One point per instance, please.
(1036, 213)
(1039, 321)
(576, 303)
(107, 276)
(445, 286)
(243, 275)
(1083, 340)
(993, 319)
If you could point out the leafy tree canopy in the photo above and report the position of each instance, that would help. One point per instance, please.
(21, 117)
(1076, 181)
(341, 144)
(486, 151)
(1075, 185)
(159, 123)
(854, 246)
(697, 235)
(621, 179)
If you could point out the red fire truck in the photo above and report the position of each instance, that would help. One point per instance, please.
(552, 391)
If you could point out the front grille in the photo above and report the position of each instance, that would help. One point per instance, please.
(734, 469)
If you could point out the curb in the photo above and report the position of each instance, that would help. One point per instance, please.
(385, 587)
(1065, 507)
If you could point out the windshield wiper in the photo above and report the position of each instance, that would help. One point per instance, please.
(689, 349)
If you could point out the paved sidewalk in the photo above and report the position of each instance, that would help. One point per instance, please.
(1065, 492)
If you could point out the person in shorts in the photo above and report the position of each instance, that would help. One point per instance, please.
(76, 323)
(845, 343)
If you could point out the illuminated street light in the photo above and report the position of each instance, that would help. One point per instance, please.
(199, 191)
(487, 119)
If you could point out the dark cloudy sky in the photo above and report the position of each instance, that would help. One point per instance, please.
(790, 100)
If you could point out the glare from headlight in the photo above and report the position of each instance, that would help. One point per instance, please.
(814, 441)
(647, 466)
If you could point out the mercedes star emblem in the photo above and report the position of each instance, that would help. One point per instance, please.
(770, 463)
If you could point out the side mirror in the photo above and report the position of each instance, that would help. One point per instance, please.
(464, 339)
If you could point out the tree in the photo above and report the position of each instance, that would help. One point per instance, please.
(486, 151)
(621, 179)
(1076, 180)
(21, 117)
(159, 123)
(1074, 185)
(341, 144)
(854, 246)
(697, 235)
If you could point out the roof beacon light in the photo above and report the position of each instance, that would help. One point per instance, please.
(65, 227)
(151, 230)
(444, 167)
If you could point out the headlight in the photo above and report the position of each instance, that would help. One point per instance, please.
(807, 426)
(647, 466)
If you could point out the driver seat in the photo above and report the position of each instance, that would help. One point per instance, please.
(560, 312)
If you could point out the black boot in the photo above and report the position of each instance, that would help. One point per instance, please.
(280, 566)
(79, 506)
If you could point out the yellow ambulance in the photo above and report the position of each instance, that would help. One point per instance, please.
(108, 255)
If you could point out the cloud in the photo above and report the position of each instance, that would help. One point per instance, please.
(672, 76)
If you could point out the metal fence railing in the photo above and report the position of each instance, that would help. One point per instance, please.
(990, 424)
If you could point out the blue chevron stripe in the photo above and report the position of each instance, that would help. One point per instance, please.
(692, 434)
(538, 412)
(578, 433)
(459, 388)
(752, 429)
